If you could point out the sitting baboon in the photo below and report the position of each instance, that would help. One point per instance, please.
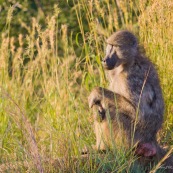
(134, 82)
(114, 123)
(133, 76)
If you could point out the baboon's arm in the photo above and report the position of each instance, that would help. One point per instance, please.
(105, 99)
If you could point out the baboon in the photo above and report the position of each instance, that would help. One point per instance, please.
(132, 75)
(114, 123)
(134, 82)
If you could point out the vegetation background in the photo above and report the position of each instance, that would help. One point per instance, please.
(50, 59)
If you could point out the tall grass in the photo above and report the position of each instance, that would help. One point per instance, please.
(44, 89)
(155, 31)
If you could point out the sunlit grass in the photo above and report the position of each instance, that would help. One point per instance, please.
(49, 85)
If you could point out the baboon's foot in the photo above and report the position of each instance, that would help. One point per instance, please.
(87, 150)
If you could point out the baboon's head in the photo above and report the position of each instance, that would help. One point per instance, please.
(121, 49)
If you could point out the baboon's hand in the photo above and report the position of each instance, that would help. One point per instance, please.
(95, 100)
(94, 97)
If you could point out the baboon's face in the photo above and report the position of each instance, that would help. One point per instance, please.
(113, 57)
(121, 49)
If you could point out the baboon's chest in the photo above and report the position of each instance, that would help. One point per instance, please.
(118, 82)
